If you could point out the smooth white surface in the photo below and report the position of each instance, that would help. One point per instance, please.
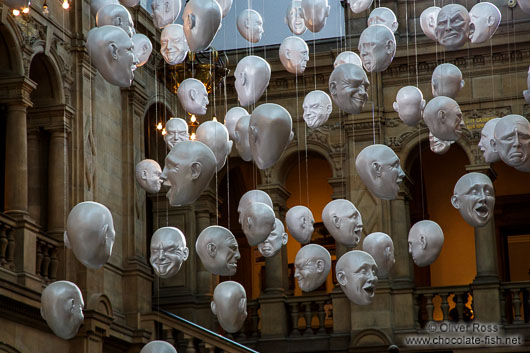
(148, 174)
(343, 221)
(218, 250)
(425, 239)
(168, 251)
(294, 54)
(409, 105)
(312, 265)
(377, 47)
(173, 44)
(381, 247)
(444, 118)
(356, 272)
(215, 135)
(348, 86)
(201, 22)
(258, 222)
(193, 96)
(115, 15)
(300, 220)
(230, 305)
(252, 77)
(62, 308)
(274, 242)
(474, 198)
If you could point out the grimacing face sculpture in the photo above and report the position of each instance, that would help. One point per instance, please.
(62, 308)
(315, 13)
(485, 19)
(358, 6)
(294, 54)
(142, 48)
(347, 57)
(444, 118)
(379, 168)
(446, 80)
(173, 45)
(486, 135)
(512, 140)
(230, 305)
(258, 222)
(377, 47)
(428, 21)
(148, 174)
(426, 239)
(165, 12)
(201, 21)
(215, 135)
(383, 16)
(409, 105)
(348, 86)
(249, 198)
(252, 78)
(381, 247)
(250, 25)
(300, 220)
(343, 221)
(158, 347)
(317, 108)
(226, 5)
(217, 248)
(312, 265)
(111, 51)
(474, 198)
(241, 138)
(193, 96)
(356, 273)
(176, 131)
(452, 26)
(189, 167)
(90, 233)
(273, 244)
(439, 146)
(115, 15)
(232, 117)
(294, 18)
(168, 251)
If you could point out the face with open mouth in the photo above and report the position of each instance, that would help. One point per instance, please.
(294, 18)
(348, 85)
(168, 251)
(357, 276)
(474, 198)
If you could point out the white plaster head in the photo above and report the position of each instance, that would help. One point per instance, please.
(165, 12)
(300, 220)
(189, 167)
(252, 78)
(129, 3)
(173, 44)
(343, 221)
(241, 138)
(377, 47)
(474, 198)
(315, 13)
(62, 308)
(90, 233)
(486, 136)
(249, 198)
(226, 5)
(524, 5)
(379, 168)
(428, 21)
(148, 174)
(526, 92)
(176, 131)
(358, 6)
(270, 131)
(294, 17)
(438, 146)
(512, 140)
(142, 48)
(383, 16)
(447, 81)
(217, 248)
(485, 19)
(274, 242)
(168, 251)
(452, 26)
(215, 135)
(311, 266)
(231, 118)
(381, 247)
(250, 25)
(202, 20)
(111, 51)
(347, 57)
(193, 96)
(444, 118)
(115, 15)
(409, 105)
(348, 86)
(317, 108)
(230, 305)
(158, 347)
(258, 222)
(96, 5)
(426, 239)
(356, 272)
(294, 54)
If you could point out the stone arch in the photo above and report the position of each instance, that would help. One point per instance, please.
(10, 39)
(44, 70)
(371, 337)
(160, 99)
(100, 303)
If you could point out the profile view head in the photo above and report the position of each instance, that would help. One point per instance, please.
(274, 242)
(142, 48)
(452, 26)
(230, 305)
(294, 17)
(189, 167)
(428, 21)
(95, 5)
(348, 86)
(165, 12)
(383, 16)
(201, 21)
(485, 19)
(258, 222)
(439, 146)
(193, 96)
(232, 117)
(381, 247)
(215, 135)
(158, 347)
(294, 54)
(90, 233)
(474, 198)
(447, 80)
(111, 51)
(173, 45)
(252, 77)
(347, 57)
(217, 248)
(444, 118)
(250, 25)
(176, 131)
(241, 138)
(168, 251)
(409, 105)
(315, 13)
(148, 174)
(317, 108)
(512, 140)
(343, 221)
(426, 239)
(62, 308)
(379, 169)
(249, 198)
(377, 47)
(358, 6)
(312, 265)
(356, 272)
(486, 136)
(300, 220)
(115, 15)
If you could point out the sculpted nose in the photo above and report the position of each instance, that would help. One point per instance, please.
(516, 142)
(237, 255)
(296, 274)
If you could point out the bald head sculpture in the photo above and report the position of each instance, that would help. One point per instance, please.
(343, 221)
(486, 136)
(426, 239)
(315, 13)
(148, 174)
(215, 135)
(294, 54)
(201, 21)
(230, 305)
(312, 265)
(249, 198)
(452, 26)
(258, 222)
(252, 77)
(62, 308)
(115, 15)
(409, 105)
(381, 247)
(356, 272)
(168, 251)
(158, 347)
(273, 244)
(348, 86)
(446, 80)
(443, 117)
(300, 222)
(317, 108)
(383, 16)
(250, 25)
(512, 140)
(474, 198)
(218, 250)
(193, 96)
(176, 131)
(377, 47)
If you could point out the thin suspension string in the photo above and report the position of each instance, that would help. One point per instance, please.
(298, 140)
(65, 202)
(165, 119)
(407, 37)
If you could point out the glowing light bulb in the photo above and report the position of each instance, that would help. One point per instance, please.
(16, 12)
(193, 118)
(164, 131)
(214, 118)
(66, 4)
(45, 9)
(193, 136)
(159, 126)
(25, 10)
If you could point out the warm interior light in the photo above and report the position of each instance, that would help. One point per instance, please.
(193, 136)
(66, 4)
(45, 8)
(164, 131)
(214, 118)
(193, 118)
(159, 126)
(16, 12)
(25, 10)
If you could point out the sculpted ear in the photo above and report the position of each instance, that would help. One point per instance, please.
(247, 22)
(211, 248)
(243, 78)
(185, 253)
(66, 241)
(329, 108)
(195, 170)
(454, 202)
(249, 221)
(462, 83)
(113, 51)
(335, 220)
(396, 107)
(320, 265)
(333, 88)
(491, 21)
(291, 136)
(144, 174)
(376, 169)
(103, 231)
(394, 26)
(390, 47)
(303, 222)
(214, 308)
(387, 252)
(423, 241)
(236, 135)
(341, 278)
(192, 93)
(229, 147)
(191, 21)
(423, 104)
(493, 145)
(287, 54)
(285, 238)
(253, 132)
(242, 304)
(441, 116)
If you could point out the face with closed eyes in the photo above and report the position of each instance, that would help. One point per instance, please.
(168, 251)
(348, 85)
(452, 26)
(173, 45)
(165, 12)
(317, 108)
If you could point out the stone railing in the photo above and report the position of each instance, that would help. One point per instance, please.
(46, 258)
(250, 330)
(442, 303)
(309, 315)
(515, 303)
(7, 242)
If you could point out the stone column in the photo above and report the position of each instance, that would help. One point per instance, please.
(57, 182)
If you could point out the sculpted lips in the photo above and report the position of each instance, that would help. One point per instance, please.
(369, 289)
(482, 211)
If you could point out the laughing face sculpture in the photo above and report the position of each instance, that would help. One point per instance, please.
(201, 21)
(252, 78)
(312, 265)
(428, 21)
(426, 240)
(193, 96)
(485, 19)
(62, 308)
(444, 118)
(165, 12)
(317, 108)
(148, 174)
(249, 198)
(294, 18)
(348, 85)
(446, 81)
(357, 276)
(274, 242)
(381, 247)
(258, 222)
(383, 16)
(486, 135)
(168, 251)
(377, 47)
(512, 141)
(217, 248)
(230, 305)
(215, 135)
(439, 146)
(250, 25)
(343, 221)
(176, 131)
(300, 222)
(474, 198)
(294, 54)
(173, 45)
(452, 26)
(409, 105)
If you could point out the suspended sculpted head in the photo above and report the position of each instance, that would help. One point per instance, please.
(173, 45)
(165, 12)
(356, 273)
(486, 136)
(231, 118)
(252, 78)
(148, 174)
(383, 16)
(241, 138)
(294, 54)
(381, 247)
(300, 222)
(428, 21)
(249, 198)
(95, 5)
(90, 233)
(439, 146)
(294, 17)
(348, 86)
(524, 5)
(189, 167)
(226, 5)
(270, 130)
(312, 265)
(452, 26)
(347, 57)
(193, 96)
(409, 105)
(217, 248)
(111, 51)
(446, 80)
(358, 6)
(62, 308)
(444, 118)
(270, 246)
(474, 198)
(158, 347)
(379, 169)
(343, 221)
(215, 135)
(258, 222)
(315, 13)
(250, 25)
(230, 305)
(115, 15)
(142, 48)
(176, 131)
(202, 20)
(512, 140)
(426, 239)
(317, 108)
(485, 18)
(377, 47)
(168, 251)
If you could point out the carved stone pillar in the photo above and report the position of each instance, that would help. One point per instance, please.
(57, 182)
